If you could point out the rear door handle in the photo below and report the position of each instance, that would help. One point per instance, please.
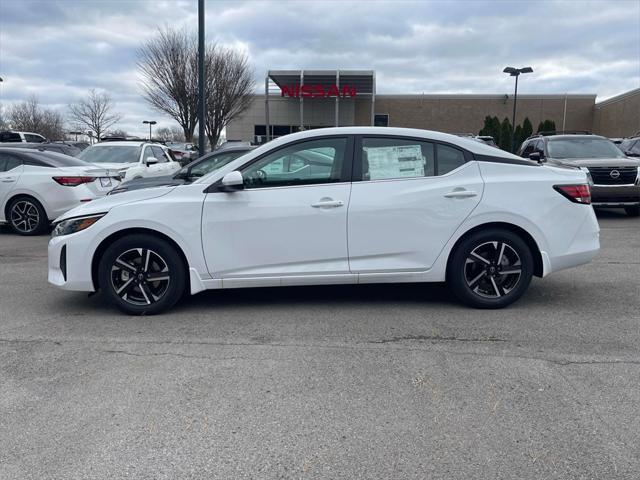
(461, 194)
(328, 204)
(7, 180)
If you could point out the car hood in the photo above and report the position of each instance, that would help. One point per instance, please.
(104, 204)
(598, 162)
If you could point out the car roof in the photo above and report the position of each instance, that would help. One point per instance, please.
(473, 146)
(21, 131)
(551, 137)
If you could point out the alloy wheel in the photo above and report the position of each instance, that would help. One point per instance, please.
(492, 269)
(140, 276)
(25, 216)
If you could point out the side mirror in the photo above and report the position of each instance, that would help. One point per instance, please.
(150, 161)
(232, 181)
(535, 156)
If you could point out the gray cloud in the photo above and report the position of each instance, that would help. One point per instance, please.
(60, 49)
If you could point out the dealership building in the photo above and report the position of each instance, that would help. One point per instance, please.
(295, 100)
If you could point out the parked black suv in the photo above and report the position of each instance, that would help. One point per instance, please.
(614, 176)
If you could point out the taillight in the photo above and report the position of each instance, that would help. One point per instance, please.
(575, 193)
(73, 181)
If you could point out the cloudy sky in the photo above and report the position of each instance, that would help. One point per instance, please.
(58, 49)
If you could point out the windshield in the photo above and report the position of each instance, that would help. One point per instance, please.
(583, 147)
(111, 154)
(211, 163)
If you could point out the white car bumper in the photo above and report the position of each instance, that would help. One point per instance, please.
(582, 249)
(70, 264)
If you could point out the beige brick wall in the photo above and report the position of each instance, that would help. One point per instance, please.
(466, 113)
(619, 116)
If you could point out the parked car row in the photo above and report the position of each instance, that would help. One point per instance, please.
(36, 187)
(31, 177)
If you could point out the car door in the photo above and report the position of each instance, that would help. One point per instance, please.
(156, 169)
(411, 198)
(290, 219)
(10, 171)
(165, 163)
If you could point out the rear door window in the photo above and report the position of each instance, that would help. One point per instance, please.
(10, 137)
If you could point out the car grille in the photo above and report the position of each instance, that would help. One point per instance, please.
(602, 175)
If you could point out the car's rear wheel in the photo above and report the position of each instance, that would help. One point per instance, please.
(142, 274)
(633, 211)
(490, 269)
(26, 216)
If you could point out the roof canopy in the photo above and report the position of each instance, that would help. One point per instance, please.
(362, 80)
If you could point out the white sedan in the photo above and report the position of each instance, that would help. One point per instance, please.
(132, 159)
(335, 206)
(37, 187)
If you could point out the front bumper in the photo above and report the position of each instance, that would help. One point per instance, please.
(615, 195)
(70, 264)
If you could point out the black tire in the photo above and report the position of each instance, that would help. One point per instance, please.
(125, 270)
(26, 216)
(633, 211)
(480, 282)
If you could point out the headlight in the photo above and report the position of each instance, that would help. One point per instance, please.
(73, 225)
(589, 178)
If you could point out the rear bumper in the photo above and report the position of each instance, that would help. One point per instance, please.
(582, 249)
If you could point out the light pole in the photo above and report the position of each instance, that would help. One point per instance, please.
(150, 122)
(515, 72)
(201, 99)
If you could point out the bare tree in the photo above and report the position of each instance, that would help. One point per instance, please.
(228, 89)
(95, 112)
(173, 134)
(118, 132)
(29, 116)
(169, 67)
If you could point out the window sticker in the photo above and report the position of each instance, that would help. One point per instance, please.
(395, 162)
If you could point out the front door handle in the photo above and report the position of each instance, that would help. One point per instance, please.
(328, 203)
(461, 194)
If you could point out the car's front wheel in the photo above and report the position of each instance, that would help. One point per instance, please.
(490, 269)
(142, 274)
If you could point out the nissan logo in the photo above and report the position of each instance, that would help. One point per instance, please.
(614, 174)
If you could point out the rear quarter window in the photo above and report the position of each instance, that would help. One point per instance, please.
(52, 159)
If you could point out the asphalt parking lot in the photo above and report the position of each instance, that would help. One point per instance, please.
(325, 382)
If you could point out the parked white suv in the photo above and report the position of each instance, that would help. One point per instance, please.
(335, 206)
(131, 159)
